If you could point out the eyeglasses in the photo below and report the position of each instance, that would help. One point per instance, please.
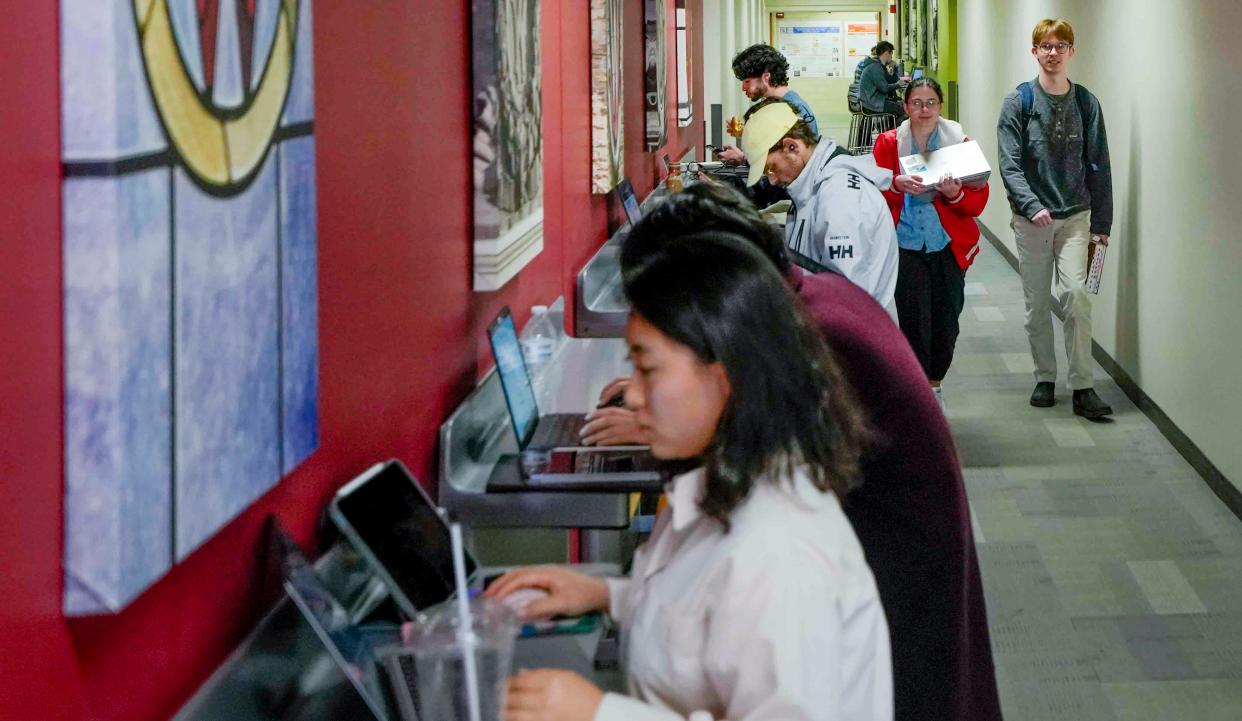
(1061, 48)
(931, 104)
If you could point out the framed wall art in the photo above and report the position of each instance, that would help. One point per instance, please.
(507, 139)
(190, 298)
(607, 148)
(655, 80)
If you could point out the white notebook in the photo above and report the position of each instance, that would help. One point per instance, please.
(964, 161)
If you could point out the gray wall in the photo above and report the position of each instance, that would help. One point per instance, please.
(1170, 307)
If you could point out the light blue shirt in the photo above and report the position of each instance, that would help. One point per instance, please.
(919, 227)
(791, 96)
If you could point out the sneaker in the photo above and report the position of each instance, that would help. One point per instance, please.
(944, 406)
(1089, 405)
(1044, 395)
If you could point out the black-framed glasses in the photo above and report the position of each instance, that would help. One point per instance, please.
(930, 104)
(1061, 48)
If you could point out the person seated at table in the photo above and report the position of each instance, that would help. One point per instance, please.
(752, 600)
(910, 510)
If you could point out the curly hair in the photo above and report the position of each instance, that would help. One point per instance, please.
(789, 403)
(756, 60)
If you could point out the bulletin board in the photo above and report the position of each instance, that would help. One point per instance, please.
(814, 48)
(860, 37)
(856, 32)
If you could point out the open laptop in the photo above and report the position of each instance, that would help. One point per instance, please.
(351, 647)
(393, 525)
(629, 201)
(391, 522)
(531, 429)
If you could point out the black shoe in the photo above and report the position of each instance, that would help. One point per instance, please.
(1045, 395)
(1089, 405)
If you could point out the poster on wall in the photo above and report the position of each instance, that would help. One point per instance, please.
(859, 39)
(933, 27)
(655, 79)
(813, 49)
(607, 149)
(190, 299)
(507, 139)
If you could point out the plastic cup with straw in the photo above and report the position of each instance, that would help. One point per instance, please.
(465, 627)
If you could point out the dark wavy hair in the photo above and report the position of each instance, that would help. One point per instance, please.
(717, 294)
(756, 60)
(882, 47)
(924, 82)
(700, 207)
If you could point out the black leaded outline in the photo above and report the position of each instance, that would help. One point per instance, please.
(170, 158)
(241, 184)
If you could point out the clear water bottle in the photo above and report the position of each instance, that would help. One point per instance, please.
(538, 340)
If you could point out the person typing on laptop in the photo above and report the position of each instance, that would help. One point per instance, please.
(752, 599)
(924, 563)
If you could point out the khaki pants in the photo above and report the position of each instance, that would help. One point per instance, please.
(1056, 253)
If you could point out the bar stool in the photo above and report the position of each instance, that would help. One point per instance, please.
(866, 127)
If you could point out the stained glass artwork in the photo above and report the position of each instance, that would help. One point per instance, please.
(190, 292)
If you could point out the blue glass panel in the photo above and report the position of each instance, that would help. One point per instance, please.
(229, 90)
(227, 394)
(265, 16)
(106, 109)
(300, 300)
(118, 464)
(184, 15)
(300, 106)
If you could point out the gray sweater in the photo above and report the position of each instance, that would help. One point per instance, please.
(1046, 167)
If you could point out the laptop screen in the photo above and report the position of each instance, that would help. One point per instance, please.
(629, 201)
(351, 647)
(514, 380)
(398, 525)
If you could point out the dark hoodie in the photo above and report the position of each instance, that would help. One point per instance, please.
(873, 84)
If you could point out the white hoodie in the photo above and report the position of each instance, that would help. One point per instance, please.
(841, 220)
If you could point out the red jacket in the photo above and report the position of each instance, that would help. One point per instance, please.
(958, 219)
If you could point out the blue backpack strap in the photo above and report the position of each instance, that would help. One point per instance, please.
(1027, 93)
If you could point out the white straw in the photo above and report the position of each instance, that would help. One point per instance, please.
(465, 629)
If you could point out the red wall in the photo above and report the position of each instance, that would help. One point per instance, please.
(400, 330)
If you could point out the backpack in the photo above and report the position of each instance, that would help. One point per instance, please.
(853, 97)
(1026, 91)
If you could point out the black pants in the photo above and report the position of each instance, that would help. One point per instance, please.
(930, 296)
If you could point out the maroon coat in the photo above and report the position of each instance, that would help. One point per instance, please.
(910, 514)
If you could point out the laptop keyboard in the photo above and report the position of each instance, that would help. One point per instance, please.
(558, 429)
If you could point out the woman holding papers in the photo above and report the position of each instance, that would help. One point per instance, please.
(936, 231)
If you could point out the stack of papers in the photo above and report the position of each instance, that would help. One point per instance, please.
(963, 161)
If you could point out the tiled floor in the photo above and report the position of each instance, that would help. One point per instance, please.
(1113, 574)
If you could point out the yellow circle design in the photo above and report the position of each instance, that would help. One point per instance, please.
(221, 152)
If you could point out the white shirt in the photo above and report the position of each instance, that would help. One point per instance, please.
(776, 620)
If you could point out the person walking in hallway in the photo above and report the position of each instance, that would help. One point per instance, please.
(1054, 162)
(936, 232)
